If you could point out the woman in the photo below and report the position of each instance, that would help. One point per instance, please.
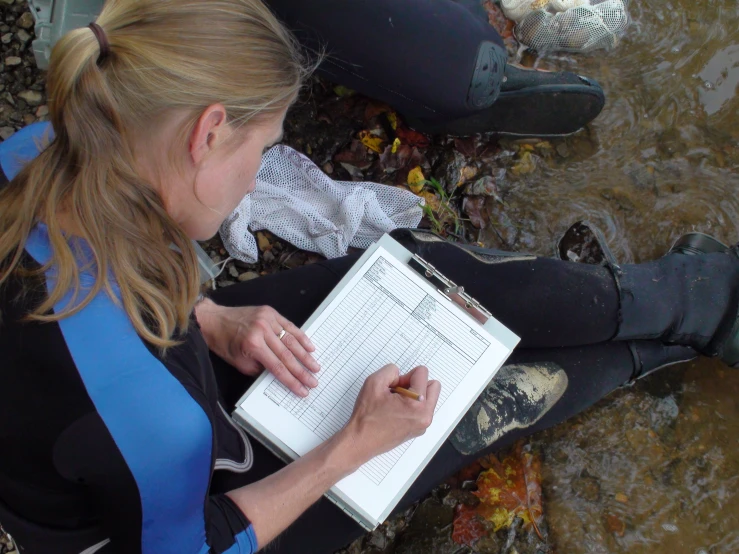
(114, 437)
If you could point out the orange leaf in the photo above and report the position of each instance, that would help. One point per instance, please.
(468, 527)
(511, 488)
(411, 137)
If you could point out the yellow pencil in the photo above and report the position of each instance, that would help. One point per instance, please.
(407, 393)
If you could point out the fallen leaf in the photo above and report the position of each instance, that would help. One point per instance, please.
(511, 488)
(498, 20)
(473, 206)
(432, 201)
(468, 526)
(416, 179)
(392, 118)
(404, 156)
(526, 164)
(622, 498)
(615, 525)
(371, 141)
(467, 173)
(411, 137)
(356, 155)
(396, 144)
(341, 91)
(374, 109)
(263, 242)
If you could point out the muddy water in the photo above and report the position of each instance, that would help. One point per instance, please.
(654, 468)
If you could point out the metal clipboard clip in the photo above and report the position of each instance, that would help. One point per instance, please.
(449, 289)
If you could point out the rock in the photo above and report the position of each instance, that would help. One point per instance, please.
(6, 132)
(563, 150)
(12, 61)
(268, 256)
(586, 488)
(25, 21)
(23, 36)
(7, 2)
(263, 241)
(233, 272)
(29, 118)
(32, 97)
(6, 38)
(248, 276)
(42, 111)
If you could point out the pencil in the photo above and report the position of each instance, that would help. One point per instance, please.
(407, 393)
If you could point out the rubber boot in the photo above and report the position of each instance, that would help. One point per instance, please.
(686, 298)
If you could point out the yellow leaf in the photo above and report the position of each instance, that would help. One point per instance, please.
(432, 201)
(341, 91)
(371, 141)
(416, 180)
(396, 144)
(392, 117)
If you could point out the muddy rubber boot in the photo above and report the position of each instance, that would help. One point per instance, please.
(689, 297)
(518, 397)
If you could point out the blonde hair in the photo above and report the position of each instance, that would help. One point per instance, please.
(165, 55)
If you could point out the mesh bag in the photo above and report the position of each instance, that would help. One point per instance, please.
(568, 25)
(298, 202)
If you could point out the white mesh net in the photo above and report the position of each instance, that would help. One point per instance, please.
(568, 25)
(298, 202)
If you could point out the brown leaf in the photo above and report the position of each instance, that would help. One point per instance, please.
(355, 155)
(404, 157)
(615, 525)
(474, 207)
(374, 109)
(498, 20)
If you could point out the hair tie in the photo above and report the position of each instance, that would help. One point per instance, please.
(102, 39)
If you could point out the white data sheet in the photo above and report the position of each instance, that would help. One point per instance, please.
(385, 314)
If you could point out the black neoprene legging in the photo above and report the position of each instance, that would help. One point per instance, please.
(445, 38)
(564, 312)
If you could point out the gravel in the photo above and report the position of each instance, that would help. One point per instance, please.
(22, 84)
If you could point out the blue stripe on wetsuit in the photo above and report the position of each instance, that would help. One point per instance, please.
(162, 433)
(22, 147)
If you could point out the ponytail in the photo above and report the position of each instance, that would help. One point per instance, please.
(162, 55)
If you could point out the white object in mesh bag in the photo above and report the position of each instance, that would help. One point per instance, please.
(582, 26)
(298, 202)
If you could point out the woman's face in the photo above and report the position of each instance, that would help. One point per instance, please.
(221, 166)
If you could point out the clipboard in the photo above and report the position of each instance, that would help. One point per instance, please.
(465, 306)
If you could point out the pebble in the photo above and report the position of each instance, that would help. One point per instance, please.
(7, 2)
(6, 38)
(233, 272)
(248, 276)
(32, 97)
(42, 111)
(12, 61)
(26, 20)
(6, 132)
(23, 36)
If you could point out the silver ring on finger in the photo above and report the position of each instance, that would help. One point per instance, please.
(282, 334)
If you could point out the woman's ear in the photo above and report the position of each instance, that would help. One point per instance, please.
(210, 130)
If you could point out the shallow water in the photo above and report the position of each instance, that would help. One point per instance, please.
(654, 468)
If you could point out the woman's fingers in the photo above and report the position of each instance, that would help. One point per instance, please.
(270, 360)
(289, 360)
(298, 343)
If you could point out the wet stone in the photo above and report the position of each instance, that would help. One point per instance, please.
(13, 61)
(587, 488)
(248, 276)
(25, 21)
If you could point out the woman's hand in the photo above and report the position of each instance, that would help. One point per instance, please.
(248, 339)
(382, 419)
